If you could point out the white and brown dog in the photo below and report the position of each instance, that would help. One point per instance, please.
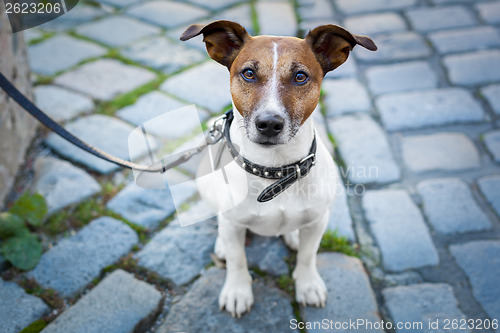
(275, 87)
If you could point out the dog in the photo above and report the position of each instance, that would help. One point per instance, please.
(282, 173)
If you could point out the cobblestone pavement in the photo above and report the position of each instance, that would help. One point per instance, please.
(415, 127)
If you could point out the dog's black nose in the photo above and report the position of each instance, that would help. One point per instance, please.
(269, 124)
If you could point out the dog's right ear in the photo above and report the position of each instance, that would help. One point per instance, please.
(223, 39)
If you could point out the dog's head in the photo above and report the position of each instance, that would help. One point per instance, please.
(276, 81)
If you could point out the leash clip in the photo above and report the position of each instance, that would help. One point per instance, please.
(216, 131)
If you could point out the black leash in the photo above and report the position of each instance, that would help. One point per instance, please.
(27, 105)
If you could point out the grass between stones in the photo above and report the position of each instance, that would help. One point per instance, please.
(77, 216)
(254, 17)
(49, 296)
(130, 264)
(109, 108)
(332, 242)
(35, 327)
(45, 35)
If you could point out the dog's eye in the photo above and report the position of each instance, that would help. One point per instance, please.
(300, 77)
(248, 74)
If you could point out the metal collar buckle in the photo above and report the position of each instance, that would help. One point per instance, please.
(216, 131)
(310, 156)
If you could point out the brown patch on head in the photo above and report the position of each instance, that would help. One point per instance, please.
(292, 56)
(223, 39)
(280, 75)
(332, 44)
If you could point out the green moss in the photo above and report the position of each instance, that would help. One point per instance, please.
(109, 108)
(254, 17)
(43, 80)
(76, 217)
(93, 3)
(259, 272)
(49, 296)
(130, 264)
(35, 327)
(42, 38)
(287, 284)
(73, 217)
(331, 241)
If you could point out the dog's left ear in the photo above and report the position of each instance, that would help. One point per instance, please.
(332, 44)
(223, 39)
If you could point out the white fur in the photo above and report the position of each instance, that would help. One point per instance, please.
(304, 207)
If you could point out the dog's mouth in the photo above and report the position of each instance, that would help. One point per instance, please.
(267, 142)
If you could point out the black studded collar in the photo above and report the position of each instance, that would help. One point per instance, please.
(287, 175)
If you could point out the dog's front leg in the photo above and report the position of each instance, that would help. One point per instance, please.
(309, 286)
(236, 295)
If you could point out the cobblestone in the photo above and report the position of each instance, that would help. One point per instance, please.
(345, 96)
(162, 54)
(375, 23)
(400, 231)
(156, 104)
(120, 303)
(120, 3)
(117, 30)
(450, 207)
(61, 52)
(90, 129)
(492, 142)
(490, 187)
(367, 154)
(441, 151)
(206, 85)
(168, 14)
(17, 308)
(394, 47)
(74, 262)
(347, 70)
(179, 253)
(429, 19)
(489, 11)
(272, 24)
(401, 77)
(143, 206)
(215, 4)
(78, 15)
(483, 274)
(340, 215)
(422, 109)
(473, 68)
(360, 6)
(268, 254)
(470, 39)
(492, 94)
(61, 104)
(241, 14)
(61, 183)
(350, 297)
(105, 79)
(423, 303)
(198, 310)
(320, 9)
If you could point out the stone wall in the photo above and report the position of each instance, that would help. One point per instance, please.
(17, 127)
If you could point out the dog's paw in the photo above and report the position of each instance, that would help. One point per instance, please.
(236, 298)
(219, 249)
(292, 240)
(310, 288)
